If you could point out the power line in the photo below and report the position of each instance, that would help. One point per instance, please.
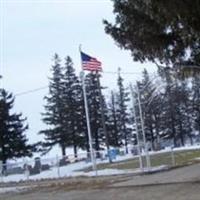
(125, 73)
(104, 72)
(111, 72)
(31, 91)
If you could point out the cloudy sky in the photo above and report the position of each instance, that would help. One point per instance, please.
(31, 31)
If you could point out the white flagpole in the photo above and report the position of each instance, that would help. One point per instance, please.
(93, 159)
(136, 126)
(143, 132)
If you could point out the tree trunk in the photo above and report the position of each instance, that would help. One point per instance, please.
(116, 133)
(157, 133)
(174, 134)
(97, 149)
(191, 140)
(74, 142)
(87, 146)
(173, 129)
(190, 131)
(181, 134)
(4, 159)
(4, 167)
(125, 139)
(96, 141)
(75, 151)
(153, 140)
(115, 124)
(63, 150)
(126, 146)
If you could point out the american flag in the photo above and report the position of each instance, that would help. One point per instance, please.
(89, 63)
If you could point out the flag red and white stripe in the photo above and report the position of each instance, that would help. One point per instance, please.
(89, 63)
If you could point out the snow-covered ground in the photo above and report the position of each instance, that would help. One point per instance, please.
(76, 169)
(69, 170)
(12, 189)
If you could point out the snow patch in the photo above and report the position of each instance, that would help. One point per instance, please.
(74, 169)
(11, 189)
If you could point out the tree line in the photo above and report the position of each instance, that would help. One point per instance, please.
(170, 111)
(157, 31)
(65, 112)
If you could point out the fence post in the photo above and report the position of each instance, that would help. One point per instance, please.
(27, 170)
(58, 166)
(148, 156)
(1, 170)
(173, 157)
(95, 161)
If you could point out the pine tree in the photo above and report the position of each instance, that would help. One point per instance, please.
(158, 30)
(170, 115)
(168, 122)
(13, 141)
(175, 105)
(54, 115)
(151, 103)
(195, 103)
(124, 115)
(183, 112)
(82, 121)
(72, 98)
(93, 98)
(113, 121)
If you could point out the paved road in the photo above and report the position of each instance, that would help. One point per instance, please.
(178, 184)
(185, 174)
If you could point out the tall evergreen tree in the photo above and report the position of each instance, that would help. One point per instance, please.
(65, 109)
(158, 30)
(171, 115)
(93, 98)
(175, 107)
(184, 127)
(54, 111)
(113, 121)
(151, 103)
(13, 141)
(72, 98)
(168, 121)
(195, 103)
(124, 115)
(82, 121)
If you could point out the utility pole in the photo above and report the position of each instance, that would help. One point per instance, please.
(143, 131)
(136, 127)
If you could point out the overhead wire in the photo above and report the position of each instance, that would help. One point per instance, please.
(31, 91)
(45, 87)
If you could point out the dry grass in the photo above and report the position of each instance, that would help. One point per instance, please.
(181, 158)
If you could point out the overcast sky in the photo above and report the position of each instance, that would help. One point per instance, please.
(32, 31)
